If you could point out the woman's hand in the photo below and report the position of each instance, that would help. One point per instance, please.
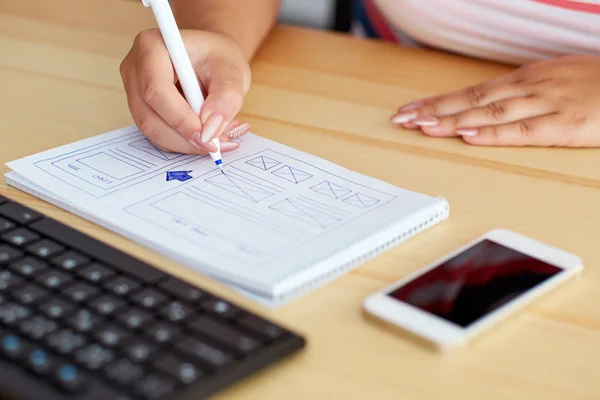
(160, 110)
(545, 103)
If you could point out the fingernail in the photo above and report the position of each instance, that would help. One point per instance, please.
(466, 132)
(426, 121)
(404, 116)
(228, 146)
(239, 130)
(197, 141)
(210, 127)
(411, 106)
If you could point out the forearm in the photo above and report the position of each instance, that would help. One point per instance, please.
(246, 21)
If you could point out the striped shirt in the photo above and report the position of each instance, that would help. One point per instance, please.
(509, 31)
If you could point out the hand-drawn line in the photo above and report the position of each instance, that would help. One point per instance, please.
(255, 179)
(296, 210)
(233, 184)
(179, 221)
(110, 166)
(263, 163)
(247, 213)
(257, 238)
(45, 164)
(146, 146)
(331, 189)
(129, 159)
(141, 161)
(291, 174)
(361, 200)
(325, 207)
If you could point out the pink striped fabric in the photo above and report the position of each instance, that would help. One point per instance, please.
(513, 31)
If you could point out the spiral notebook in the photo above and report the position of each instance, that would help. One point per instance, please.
(275, 224)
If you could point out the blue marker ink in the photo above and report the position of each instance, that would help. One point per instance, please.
(180, 176)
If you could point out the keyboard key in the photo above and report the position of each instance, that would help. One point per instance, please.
(134, 318)
(6, 225)
(30, 294)
(81, 292)
(182, 290)
(220, 308)
(124, 372)
(176, 311)
(8, 280)
(40, 362)
(45, 249)
(139, 350)
(111, 335)
(184, 372)
(69, 378)
(82, 321)
(20, 237)
(260, 327)
(13, 346)
(163, 332)
(56, 308)
(96, 273)
(11, 314)
(94, 356)
(122, 286)
(28, 266)
(53, 279)
(38, 327)
(150, 298)
(65, 341)
(98, 250)
(224, 334)
(70, 260)
(19, 213)
(205, 353)
(153, 387)
(9, 254)
(107, 305)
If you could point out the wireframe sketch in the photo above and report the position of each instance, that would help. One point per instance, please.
(291, 174)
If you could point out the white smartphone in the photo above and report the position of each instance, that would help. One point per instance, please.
(453, 299)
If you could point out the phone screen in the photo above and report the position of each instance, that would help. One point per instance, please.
(475, 282)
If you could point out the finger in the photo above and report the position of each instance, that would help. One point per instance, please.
(506, 78)
(236, 129)
(157, 87)
(153, 126)
(495, 113)
(545, 131)
(225, 93)
(472, 97)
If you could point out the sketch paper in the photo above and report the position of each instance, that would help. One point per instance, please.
(274, 224)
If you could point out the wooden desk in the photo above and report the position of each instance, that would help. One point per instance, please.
(332, 96)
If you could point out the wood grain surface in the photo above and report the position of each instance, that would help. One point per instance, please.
(332, 96)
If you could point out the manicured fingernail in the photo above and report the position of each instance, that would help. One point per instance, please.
(239, 130)
(426, 121)
(404, 116)
(467, 132)
(411, 106)
(228, 146)
(197, 141)
(210, 127)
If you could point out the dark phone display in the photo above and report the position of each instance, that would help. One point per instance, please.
(474, 283)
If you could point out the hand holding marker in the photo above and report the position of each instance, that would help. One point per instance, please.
(181, 62)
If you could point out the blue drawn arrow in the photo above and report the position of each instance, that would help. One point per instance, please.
(180, 176)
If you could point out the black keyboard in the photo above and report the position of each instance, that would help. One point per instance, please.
(81, 320)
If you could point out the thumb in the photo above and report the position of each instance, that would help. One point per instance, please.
(226, 87)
